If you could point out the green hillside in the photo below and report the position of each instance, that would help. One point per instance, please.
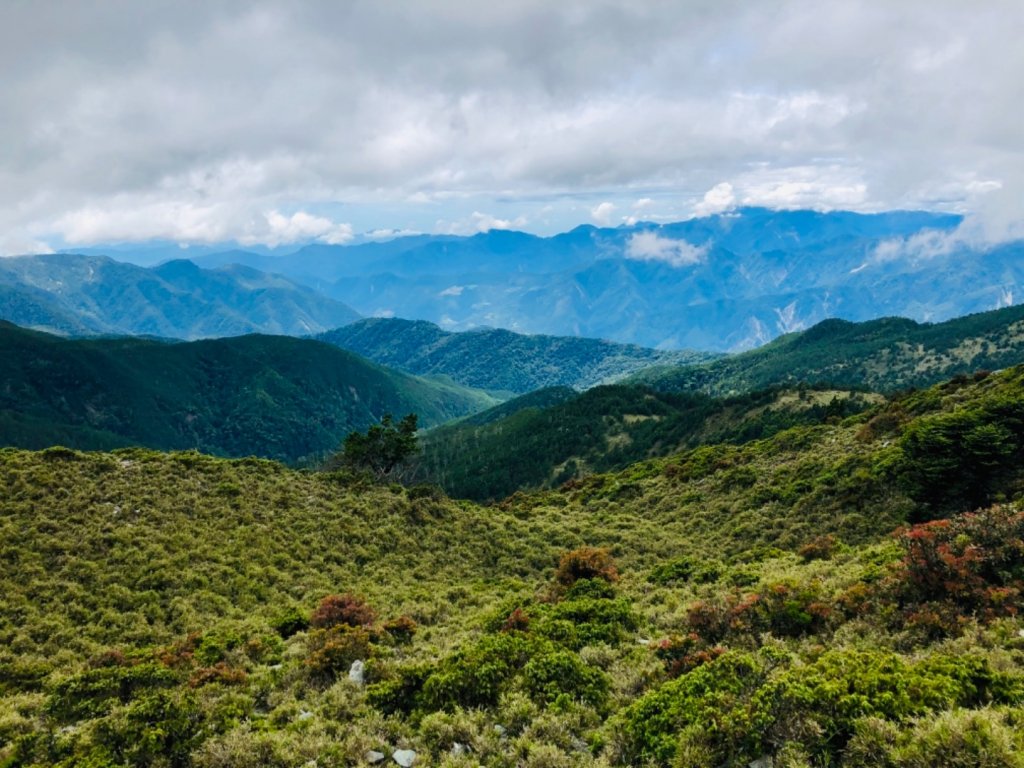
(269, 396)
(499, 360)
(718, 606)
(552, 436)
(882, 355)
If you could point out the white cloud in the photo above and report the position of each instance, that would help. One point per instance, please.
(18, 245)
(649, 246)
(453, 290)
(718, 199)
(478, 222)
(130, 220)
(602, 213)
(296, 228)
(192, 119)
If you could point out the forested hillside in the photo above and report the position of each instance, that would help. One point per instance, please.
(883, 355)
(553, 436)
(499, 360)
(271, 396)
(718, 606)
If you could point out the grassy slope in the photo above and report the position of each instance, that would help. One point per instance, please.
(883, 355)
(271, 396)
(135, 550)
(495, 359)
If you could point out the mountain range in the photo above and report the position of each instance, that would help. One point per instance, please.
(84, 295)
(726, 282)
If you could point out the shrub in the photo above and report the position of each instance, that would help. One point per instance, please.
(218, 673)
(476, 676)
(401, 629)
(819, 548)
(338, 610)
(682, 654)
(586, 563)
(290, 622)
(333, 650)
(706, 715)
(971, 564)
(962, 739)
(548, 676)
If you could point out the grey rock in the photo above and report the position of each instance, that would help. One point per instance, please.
(356, 673)
(767, 761)
(404, 757)
(458, 750)
(373, 757)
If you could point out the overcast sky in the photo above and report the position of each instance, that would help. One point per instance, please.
(278, 122)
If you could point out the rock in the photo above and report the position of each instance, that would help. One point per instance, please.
(458, 750)
(579, 744)
(404, 757)
(305, 714)
(356, 674)
(500, 730)
(767, 761)
(373, 757)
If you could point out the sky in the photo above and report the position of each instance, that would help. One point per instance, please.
(276, 123)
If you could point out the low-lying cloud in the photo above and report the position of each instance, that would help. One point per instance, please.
(650, 246)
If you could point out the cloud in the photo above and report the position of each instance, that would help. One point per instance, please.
(718, 199)
(404, 115)
(649, 246)
(298, 227)
(453, 290)
(602, 213)
(196, 223)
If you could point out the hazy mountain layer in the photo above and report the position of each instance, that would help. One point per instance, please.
(83, 295)
(726, 282)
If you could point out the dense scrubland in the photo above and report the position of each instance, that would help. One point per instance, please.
(843, 592)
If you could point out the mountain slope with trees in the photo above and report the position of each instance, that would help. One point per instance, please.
(546, 438)
(272, 396)
(884, 355)
(498, 360)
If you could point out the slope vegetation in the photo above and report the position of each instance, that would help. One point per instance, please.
(553, 436)
(496, 359)
(723, 605)
(883, 355)
(271, 396)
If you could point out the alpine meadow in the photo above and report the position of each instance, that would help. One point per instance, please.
(580, 385)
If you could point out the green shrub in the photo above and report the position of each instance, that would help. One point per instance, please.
(559, 673)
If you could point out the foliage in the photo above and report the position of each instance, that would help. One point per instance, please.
(342, 610)
(586, 563)
(382, 448)
(169, 609)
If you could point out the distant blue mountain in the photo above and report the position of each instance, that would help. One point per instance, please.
(726, 282)
(86, 295)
